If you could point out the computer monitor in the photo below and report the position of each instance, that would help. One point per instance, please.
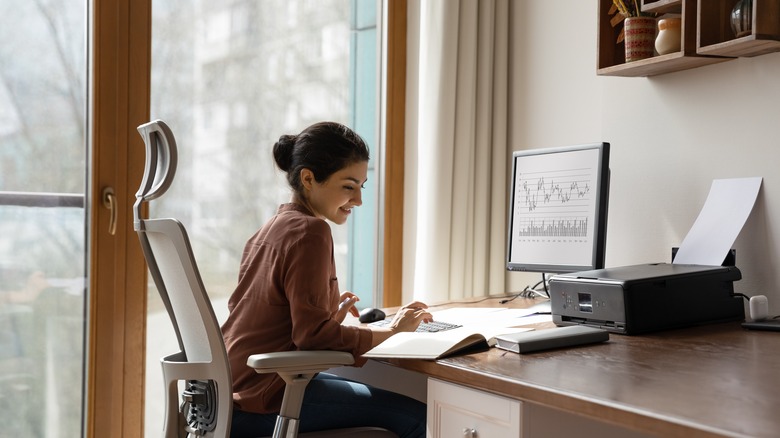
(558, 209)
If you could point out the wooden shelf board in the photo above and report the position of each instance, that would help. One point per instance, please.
(746, 46)
(660, 64)
(663, 6)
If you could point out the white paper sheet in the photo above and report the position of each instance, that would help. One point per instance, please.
(471, 316)
(489, 316)
(721, 219)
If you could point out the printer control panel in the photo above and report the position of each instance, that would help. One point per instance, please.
(597, 305)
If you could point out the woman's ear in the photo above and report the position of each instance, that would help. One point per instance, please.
(307, 178)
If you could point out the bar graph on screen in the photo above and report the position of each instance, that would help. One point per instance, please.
(573, 227)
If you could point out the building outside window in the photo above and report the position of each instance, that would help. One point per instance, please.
(43, 168)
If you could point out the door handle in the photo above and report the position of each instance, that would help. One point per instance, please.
(109, 201)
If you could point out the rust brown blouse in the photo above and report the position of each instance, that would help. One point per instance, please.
(286, 298)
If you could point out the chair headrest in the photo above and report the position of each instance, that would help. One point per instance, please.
(161, 159)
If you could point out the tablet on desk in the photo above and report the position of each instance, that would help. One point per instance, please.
(767, 324)
(548, 339)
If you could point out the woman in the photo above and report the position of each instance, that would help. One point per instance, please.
(288, 298)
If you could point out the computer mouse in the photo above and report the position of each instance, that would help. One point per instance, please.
(371, 314)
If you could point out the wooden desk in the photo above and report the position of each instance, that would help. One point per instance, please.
(714, 380)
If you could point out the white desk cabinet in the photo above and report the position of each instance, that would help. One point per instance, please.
(457, 411)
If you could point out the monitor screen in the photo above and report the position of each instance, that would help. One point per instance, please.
(558, 209)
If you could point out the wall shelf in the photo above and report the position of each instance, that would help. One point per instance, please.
(659, 64)
(611, 54)
(715, 36)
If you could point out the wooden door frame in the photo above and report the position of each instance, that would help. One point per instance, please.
(116, 337)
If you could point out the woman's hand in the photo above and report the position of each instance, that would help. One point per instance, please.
(346, 304)
(410, 316)
(406, 319)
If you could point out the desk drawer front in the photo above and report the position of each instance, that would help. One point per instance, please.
(457, 411)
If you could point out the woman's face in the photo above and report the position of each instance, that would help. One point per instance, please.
(334, 198)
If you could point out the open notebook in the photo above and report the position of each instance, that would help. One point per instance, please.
(417, 345)
(478, 328)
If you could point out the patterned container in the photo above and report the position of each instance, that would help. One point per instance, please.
(639, 37)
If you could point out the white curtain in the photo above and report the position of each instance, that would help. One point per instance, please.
(458, 149)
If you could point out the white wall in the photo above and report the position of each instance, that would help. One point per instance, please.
(671, 135)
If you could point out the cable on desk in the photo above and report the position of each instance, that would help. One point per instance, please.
(530, 292)
(432, 306)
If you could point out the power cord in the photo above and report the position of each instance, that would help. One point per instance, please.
(737, 294)
(530, 291)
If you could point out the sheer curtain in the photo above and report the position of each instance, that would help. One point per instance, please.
(456, 149)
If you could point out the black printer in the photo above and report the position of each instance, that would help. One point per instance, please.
(645, 298)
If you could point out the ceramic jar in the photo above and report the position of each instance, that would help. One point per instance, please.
(669, 36)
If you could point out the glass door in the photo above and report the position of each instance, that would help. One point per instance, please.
(43, 156)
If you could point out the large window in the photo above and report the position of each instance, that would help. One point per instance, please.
(229, 78)
(43, 152)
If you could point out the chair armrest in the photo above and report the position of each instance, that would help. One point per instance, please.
(299, 362)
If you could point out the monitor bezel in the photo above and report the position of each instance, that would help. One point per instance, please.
(598, 253)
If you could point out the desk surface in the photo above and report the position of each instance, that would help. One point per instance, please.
(714, 380)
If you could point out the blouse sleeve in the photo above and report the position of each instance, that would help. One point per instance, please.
(312, 290)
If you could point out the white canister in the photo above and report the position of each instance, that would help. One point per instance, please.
(669, 36)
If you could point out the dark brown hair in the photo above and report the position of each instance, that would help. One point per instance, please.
(324, 148)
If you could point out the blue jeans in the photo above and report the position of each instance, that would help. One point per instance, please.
(331, 402)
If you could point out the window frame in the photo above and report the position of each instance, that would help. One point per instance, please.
(393, 132)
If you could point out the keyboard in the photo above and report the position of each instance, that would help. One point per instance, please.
(425, 327)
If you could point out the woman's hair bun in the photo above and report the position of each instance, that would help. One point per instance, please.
(283, 152)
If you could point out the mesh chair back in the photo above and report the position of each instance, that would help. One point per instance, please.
(202, 360)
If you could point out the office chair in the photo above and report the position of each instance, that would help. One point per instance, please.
(202, 361)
